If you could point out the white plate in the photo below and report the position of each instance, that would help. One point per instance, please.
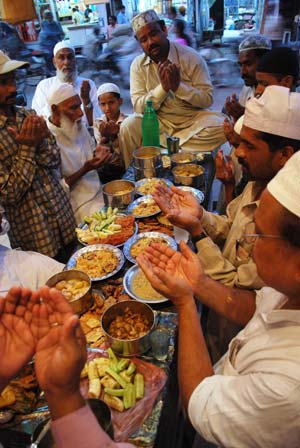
(131, 241)
(141, 182)
(85, 226)
(197, 193)
(148, 198)
(114, 250)
(4, 227)
(127, 281)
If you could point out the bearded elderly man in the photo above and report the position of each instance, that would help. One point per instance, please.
(36, 205)
(66, 71)
(79, 158)
(176, 78)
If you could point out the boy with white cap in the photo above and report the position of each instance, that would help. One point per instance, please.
(65, 62)
(79, 157)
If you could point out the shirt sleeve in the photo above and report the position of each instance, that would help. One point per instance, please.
(80, 429)
(94, 100)
(39, 101)
(244, 410)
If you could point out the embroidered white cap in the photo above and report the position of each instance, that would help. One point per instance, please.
(256, 42)
(143, 19)
(108, 87)
(276, 111)
(285, 186)
(239, 124)
(61, 93)
(9, 65)
(61, 45)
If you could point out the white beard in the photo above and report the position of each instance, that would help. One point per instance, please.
(66, 77)
(70, 129)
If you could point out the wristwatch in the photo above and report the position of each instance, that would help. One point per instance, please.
(200, 237)
(88, 105)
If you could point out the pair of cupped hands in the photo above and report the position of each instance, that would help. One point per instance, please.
(41, 324)
(175, 275)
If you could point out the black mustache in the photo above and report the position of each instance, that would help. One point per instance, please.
(153, 47)
(242, 162)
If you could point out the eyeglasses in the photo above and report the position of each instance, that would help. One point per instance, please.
(250, 238)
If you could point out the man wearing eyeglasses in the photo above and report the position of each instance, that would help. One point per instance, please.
(269, 137)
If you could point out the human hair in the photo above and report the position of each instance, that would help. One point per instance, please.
(277, 142)
(259, 52)
(115, 94)
(113, 17)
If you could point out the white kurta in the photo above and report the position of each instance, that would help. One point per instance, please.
(86, 194)
(184, 113)
(253, 400)
(45, 87)
(26, 269)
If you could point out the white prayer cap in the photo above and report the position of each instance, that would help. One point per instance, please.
(108, 87)
(285, 186)
(61, 45)
(238, 125)
(257, 42)
(61, 93)
(143, 19)
(276, 112)
(9, 65)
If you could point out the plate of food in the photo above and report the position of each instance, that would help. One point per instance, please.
(147, 186)
(137, 244)
(197, 193)
(106, 227)
(98, 261)
(144, 207)
(139, 288)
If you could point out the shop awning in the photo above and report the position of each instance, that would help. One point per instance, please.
(17, 11)
(95, 2)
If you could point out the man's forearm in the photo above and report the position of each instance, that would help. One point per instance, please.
(61, 405)
(88, 110)
(237, 305)
(194, 363)
(71, 180)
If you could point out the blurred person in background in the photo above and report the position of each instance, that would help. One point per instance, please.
(92, 47)
(182, 37)
(66, 71)
(51, 33)
(121, 16)
(112, 25)
(76, 17)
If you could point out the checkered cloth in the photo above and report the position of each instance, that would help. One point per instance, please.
(35, 203)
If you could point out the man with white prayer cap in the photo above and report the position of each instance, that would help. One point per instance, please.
(177, 81)
(251, 398)
(269, 136)
(65, 62)
(79, 157)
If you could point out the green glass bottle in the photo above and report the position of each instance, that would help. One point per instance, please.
(150, 126)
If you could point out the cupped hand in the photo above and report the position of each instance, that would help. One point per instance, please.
(233, 107)
(61, 347)
(33, 131)
(224, 169)
(109, 129)
(85, 92)
(17, 340)
(233, 138)
(103, 155)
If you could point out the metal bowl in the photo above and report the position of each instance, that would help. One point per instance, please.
(81, 304)
(182, 158)
(118, 193)
(147, 157)
(190, 174)
(132, 347)
(147, 180)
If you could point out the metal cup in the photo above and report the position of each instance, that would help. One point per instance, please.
(172, 145)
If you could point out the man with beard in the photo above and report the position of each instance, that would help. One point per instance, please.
(36, 205)
(261, 155)
(79, 161)
(66, 71)
(176, 78)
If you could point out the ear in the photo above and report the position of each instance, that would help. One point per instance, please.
(53, 60)
(55, 115)
(285, 154)
(287, 81)
(120, 101)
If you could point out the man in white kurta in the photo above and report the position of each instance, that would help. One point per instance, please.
(178, 82)
(78, 162)
(65, 63)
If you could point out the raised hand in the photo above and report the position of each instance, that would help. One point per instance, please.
(103, 155)
(33, 131)
(85, 92)
(230, 134)
(169, 75)
(61, 347)
(224, 168)
(17, 341)
(109, 129)
(233, 107)
(181, 207)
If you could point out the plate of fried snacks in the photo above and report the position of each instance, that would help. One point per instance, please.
(197, 193)
(143, 207)
(137, 243)
(139, 288)
(106, 227)
(98, 261)
(147, 186)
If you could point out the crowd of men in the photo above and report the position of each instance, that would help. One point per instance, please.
(239, 381)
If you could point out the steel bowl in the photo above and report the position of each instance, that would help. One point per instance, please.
(182, 158)
(118, 193)
(81, 304)
(147, 157)
(190, 174)
(132, 347)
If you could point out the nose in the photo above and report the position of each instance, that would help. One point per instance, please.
(240, 152)
(243, 69)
